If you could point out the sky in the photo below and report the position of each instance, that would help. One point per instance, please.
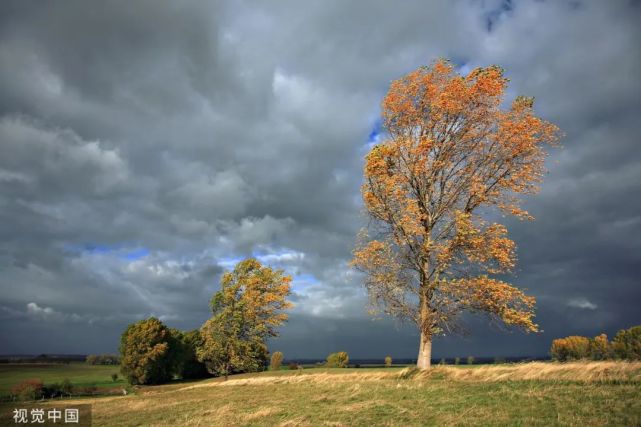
(146, 147)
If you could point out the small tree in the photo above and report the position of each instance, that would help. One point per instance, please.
(600, 348)
(457, 360)
(338, 360)
(91, 359)
(246, 311)
(388, 361)
(470, 360)
(148, 352)
(570, 348)
(627, 343)
(276, 361)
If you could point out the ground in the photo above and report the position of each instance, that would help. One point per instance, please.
(582, 393)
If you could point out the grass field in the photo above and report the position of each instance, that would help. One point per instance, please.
(80, 374)
(590, 393)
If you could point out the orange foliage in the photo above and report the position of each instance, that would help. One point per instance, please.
(451, 153)
(570, 348)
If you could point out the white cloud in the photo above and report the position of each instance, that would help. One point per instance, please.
(582, 303)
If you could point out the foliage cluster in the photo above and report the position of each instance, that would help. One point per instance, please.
(149, 352)
(30, 389)
(246, 311)
(625, 345)
(337, 360)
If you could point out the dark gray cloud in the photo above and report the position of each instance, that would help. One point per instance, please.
(145, 147)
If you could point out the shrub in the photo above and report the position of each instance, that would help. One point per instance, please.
(627, 343)
(570, 348)
(338, 360)
(114, 377)
(51, 391)
(91, 359)
(31, 389)
(276, 361)
(388, 361)
(442, 361)
(499, 360)
(470, 360)
(600, 348)
(148, 352)
(457, 360)
(292, 366)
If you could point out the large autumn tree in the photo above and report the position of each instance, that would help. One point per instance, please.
(246, 311)
(451, 154)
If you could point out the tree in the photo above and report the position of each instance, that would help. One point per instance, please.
(627, 343)
(277, 360)
(450, 156)
(338, 360)
(388, 361)
(246, 311)
(600, 347)
(570, 348)
(148, 352)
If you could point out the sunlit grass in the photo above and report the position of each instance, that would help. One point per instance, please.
(593, 393)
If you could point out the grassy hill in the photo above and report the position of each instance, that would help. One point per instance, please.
(537, 393)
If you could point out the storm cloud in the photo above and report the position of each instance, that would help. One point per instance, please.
(147, 146)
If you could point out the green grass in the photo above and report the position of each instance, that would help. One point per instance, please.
(80, 374)
(379, 396)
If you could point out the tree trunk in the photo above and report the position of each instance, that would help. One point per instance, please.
(424, 359)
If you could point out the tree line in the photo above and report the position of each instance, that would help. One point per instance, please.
(626, 345)
(102, 359)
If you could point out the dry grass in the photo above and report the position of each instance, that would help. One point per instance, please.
(531, 371)
(318, 378)
(617, 371)
(582, 393)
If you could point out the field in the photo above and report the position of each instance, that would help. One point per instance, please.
(80, 374)
(537, 393)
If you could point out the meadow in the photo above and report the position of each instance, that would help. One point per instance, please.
(80, 374)
(535, 393)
